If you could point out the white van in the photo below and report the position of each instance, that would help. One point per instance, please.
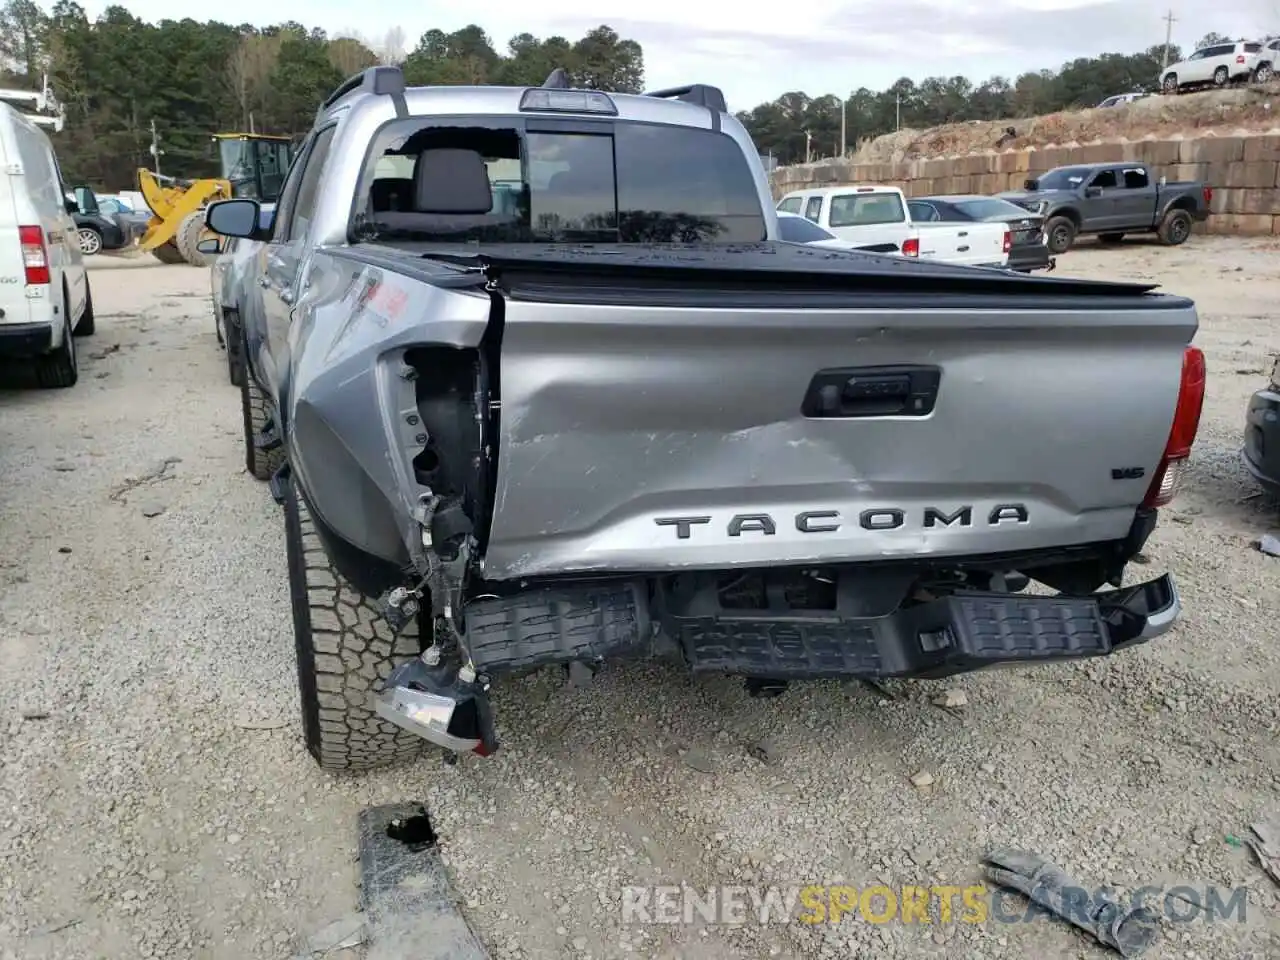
(43, 283)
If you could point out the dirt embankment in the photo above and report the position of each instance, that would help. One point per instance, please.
(1214, 113)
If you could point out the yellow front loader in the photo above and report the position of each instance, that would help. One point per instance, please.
(252, 166)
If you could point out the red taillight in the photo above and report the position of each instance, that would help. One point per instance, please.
(1008, 241)
(35, 256)
(911, 247)
(1239, 58)
(1186, 422)
(1208, 195)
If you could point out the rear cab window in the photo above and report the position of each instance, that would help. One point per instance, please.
(790, 205)
(537, 180)
(865, 209)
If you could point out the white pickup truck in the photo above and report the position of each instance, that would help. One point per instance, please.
(874, 215)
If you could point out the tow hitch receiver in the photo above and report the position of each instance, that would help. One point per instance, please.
(444, 704)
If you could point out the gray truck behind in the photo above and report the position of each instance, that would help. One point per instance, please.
(620, 418)
(1110, 200)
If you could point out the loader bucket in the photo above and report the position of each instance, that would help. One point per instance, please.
(177, 216)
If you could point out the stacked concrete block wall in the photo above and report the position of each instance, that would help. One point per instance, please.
(1243, 171)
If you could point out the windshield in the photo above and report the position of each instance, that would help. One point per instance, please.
(503, 183)
(1068, 178)
(866, 209)
(990, 208)
(800, 230)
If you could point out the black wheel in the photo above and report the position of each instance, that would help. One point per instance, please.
(344, 650)
(168, 253)
(1060, 233)
(235, 356)
(1220, 77)
(87, 326)
(255, 411)
(1110, 237)
(188, 236)
(1175, 228)
(60, 368)
(90, 241)
(1263, 74)
(1170, 83)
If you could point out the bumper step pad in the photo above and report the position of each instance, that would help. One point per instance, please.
(951, 635)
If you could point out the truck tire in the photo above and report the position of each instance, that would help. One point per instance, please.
(59, 368)
(1110, 237)
(1175, 228)
(1169, 84)
(188, 236)
(168, 253)
(344, 648)
(1221, 76)
(1060, 233)
(255, 411)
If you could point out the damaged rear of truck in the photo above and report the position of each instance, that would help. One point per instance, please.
(549, 392)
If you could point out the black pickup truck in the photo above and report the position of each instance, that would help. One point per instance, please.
(1111, 200)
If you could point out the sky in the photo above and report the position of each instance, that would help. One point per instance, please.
(825, 47)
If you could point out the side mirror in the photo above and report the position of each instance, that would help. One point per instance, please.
(1093, 192)
(1032, 184)
(234, 218)
(210, 245)
(71, 206)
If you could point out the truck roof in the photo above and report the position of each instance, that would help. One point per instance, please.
(697, 105)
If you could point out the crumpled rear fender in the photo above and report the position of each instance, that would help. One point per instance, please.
(353, 422)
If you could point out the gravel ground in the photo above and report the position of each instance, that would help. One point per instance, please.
(156, 799)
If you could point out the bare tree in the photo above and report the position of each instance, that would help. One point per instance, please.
(350, 53)
(392, 49)
(248, 69)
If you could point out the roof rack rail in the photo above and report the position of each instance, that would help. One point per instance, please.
(558, 79)
(381, 80)
(702, 94)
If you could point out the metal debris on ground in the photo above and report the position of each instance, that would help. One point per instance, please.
(1270, 544)
(342, 934)
(1265, 844)
(409, 904)
(1128, 931)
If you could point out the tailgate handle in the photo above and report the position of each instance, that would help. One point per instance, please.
(887, 391)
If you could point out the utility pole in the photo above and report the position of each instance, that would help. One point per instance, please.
(1169, 21)
(251, 130)
(844, 142)
(808, 153)
(155, 147)
(897, 111)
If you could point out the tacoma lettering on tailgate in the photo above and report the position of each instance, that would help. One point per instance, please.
(829, 521)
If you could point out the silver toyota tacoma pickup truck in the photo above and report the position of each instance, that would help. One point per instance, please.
(536, 384)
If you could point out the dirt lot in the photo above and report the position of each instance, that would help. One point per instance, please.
(156, 801)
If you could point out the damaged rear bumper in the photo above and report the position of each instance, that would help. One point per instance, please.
(953, 634)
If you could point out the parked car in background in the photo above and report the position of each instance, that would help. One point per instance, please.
(1122, 98)
(227, 278)
(129, 218)
(794, 228)
(1027, 250)
(1111, 200)
(1262, 433)
(1219, 64)
(867, 215)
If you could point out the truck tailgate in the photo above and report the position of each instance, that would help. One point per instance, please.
(666, 427)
